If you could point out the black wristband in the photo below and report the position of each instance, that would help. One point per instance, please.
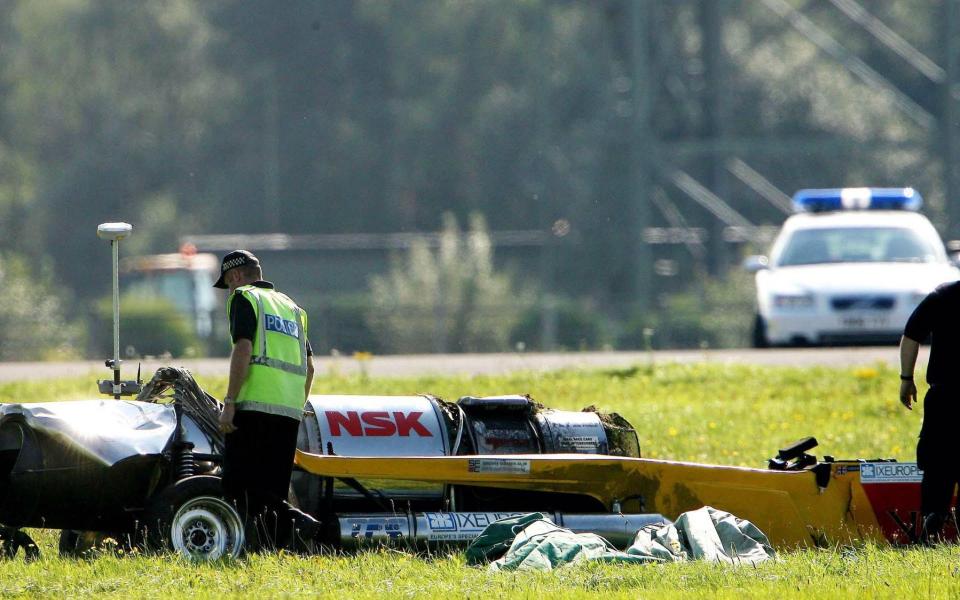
(906, 377)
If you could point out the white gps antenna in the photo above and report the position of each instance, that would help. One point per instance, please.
(115, 232)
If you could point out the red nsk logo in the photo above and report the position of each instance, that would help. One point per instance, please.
(376, 423)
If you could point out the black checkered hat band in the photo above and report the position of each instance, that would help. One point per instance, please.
(233, 262)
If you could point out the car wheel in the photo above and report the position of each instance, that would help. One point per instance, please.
(191, 518)
(760, 333)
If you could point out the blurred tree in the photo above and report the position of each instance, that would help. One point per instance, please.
(109, 103)
(35, 323)
(368, 116)
(150, 326)
(448, 300)
(713, 312)
(309, 137)
(579, 326)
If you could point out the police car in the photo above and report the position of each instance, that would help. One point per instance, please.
(849, 267)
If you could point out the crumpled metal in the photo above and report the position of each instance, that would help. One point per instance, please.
(105, 430)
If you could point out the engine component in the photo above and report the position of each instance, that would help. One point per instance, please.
(501, 425)
(794, 457)
(565, 432)
(426, 426)
(371, 426)
(431, 529)
(185, 465)
(178, 385)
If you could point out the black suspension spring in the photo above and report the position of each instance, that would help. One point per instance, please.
(184, 463)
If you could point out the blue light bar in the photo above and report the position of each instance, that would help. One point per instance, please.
(857, 199)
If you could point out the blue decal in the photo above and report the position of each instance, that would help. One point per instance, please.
(441, 521)
(275, 323)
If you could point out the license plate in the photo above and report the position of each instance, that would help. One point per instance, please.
(865, 321)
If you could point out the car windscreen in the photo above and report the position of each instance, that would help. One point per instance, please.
(856, 244)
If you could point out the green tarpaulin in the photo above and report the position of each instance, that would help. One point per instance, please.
(534, 542)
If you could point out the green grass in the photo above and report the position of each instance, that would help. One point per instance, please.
(734, 415)
(866, 572)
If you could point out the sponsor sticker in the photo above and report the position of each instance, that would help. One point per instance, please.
(498, 465)
(459, 526)
(376, 423)
(890, 473)
(378, 528)
(581, 443)
(441, 521)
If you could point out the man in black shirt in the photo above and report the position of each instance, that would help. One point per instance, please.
(261, 438)
(260, 457)
(936, 317)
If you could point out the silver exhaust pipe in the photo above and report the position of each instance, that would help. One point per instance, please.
(433, 529)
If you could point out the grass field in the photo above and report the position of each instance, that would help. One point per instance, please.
(735, 415)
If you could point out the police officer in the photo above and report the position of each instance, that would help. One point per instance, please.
(271, 371)
(936, 317)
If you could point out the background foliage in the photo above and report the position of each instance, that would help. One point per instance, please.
(362, 116)
(35, 319)
(151, 326)
(451, 299)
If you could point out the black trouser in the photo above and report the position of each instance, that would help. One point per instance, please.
(937, 454)
(257, 464)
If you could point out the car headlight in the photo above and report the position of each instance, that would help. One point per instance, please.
(791, 301)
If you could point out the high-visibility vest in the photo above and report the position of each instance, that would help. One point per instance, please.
(278, 367)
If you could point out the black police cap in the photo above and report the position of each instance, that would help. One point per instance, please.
(237, 258)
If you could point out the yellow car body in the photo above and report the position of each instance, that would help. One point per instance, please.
(794, 508)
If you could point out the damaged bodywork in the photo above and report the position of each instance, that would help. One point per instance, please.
(414, 471)
(101, 465)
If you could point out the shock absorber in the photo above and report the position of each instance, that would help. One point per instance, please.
(184, 464)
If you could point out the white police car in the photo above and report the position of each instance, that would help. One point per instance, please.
(849, 267)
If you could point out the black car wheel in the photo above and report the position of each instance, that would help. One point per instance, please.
(191, 518)
(760, 333)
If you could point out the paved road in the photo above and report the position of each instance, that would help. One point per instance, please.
(488, 364)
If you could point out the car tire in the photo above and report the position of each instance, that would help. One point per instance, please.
(192, 518)
(759, 335)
